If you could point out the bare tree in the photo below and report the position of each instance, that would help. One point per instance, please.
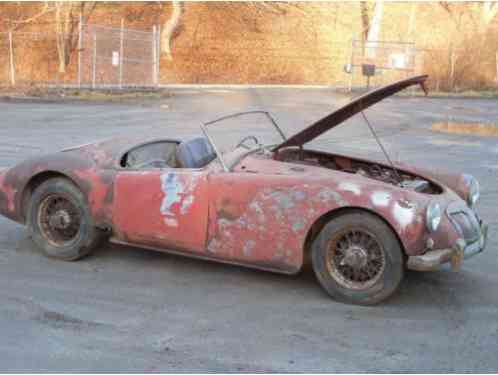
(374, 31)
(411, 22)
(489, 9)
(371, 27)
(67, 18)
(365, 20)
(171, 28)
(17, 23)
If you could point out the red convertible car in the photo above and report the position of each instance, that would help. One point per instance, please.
(266, 202)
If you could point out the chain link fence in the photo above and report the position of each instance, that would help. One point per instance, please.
(98, 57)
(4, 60)
(374, 63)
(110, 57)
(118, 57)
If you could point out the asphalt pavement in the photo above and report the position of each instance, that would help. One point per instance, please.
(127, 309)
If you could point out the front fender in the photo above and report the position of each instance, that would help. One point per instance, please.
(266, 219)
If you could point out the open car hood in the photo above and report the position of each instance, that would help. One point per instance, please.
(342, 114)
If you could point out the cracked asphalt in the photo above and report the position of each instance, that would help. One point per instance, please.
(127, 309)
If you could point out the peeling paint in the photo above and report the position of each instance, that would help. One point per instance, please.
(187, 202)
(172, 189)
(248, 246)
(380, 198)
(171, 222)
(330, 196)
(351, 187)
(176, 192)
(403, 215)
(298, 225)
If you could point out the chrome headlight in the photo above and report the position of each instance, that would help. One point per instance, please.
(433, 216)
(473, 192)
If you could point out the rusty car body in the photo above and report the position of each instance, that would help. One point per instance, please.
(257, 205)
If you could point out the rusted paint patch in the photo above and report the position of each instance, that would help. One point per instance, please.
(268, 215)
(330, 196)
(7, 197)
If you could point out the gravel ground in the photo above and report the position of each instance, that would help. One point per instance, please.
(127, 309)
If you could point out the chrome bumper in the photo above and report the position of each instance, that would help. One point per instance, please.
(433, 259)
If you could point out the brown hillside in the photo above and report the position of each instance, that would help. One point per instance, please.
(302, 43)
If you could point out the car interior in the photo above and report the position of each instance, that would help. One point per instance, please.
(194, 153)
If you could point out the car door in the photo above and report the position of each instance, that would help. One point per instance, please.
(256, 219)
(162, 208)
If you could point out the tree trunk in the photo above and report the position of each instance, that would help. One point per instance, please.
(488, 12)
(411, 22)
(374, 31)
(365, 20)
(60, 36)
(170, 28)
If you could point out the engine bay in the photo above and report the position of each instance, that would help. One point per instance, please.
(371, 170)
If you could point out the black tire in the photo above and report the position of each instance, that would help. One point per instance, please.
(358, 259)
(78, 238)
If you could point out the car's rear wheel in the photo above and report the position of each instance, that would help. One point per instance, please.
(60, 222)
(358, 259)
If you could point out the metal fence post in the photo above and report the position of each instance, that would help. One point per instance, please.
(80, 46)
(496, 60)
(94, 59)
(12, 65)
(121, 48)
(154, 55)
(352, 65)
(158, 50)
(452, 69)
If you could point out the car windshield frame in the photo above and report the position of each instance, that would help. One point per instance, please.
(205, 125)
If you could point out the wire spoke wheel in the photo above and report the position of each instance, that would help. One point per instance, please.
(59, 220)
(355, 259)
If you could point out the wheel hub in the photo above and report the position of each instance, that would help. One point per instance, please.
(356, 260)
(355, 257)
(60, 220)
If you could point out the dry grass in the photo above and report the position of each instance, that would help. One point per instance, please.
(44, 93)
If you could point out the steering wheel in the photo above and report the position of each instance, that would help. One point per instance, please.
(245, 139)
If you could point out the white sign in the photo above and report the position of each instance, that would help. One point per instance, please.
(397, 60)
(115, 58)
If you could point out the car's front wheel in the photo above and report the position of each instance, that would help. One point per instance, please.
(358, 259)
(60, 222)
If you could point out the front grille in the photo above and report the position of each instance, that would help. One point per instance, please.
(463, 224)
(464, 220)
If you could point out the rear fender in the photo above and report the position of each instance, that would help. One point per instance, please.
(96, 184)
